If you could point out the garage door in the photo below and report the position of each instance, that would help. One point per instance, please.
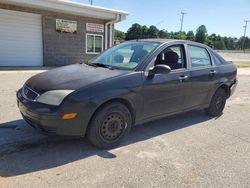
(20, 39)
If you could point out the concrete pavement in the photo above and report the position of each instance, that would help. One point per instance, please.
(187, 150)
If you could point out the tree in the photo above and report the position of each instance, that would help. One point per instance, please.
(144, 34)
(134, 32)
(178, 35)
(219, 43)
(201, 34)
(246, 42)
(153, 32)
(231, 43)
(163, 34)
(119, 35)
(190, 36)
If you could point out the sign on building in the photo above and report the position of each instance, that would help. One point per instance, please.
(96, 28)
(66, 26)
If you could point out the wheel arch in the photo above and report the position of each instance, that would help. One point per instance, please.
(226, 88)
(125, 102)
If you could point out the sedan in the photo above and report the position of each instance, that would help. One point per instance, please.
(130, 84)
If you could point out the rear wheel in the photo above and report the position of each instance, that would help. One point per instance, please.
(109, 126)
(217, 103)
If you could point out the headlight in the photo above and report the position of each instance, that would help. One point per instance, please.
(54, 97)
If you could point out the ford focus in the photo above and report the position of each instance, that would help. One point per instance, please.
(129, 84)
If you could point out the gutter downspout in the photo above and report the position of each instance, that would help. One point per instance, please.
(110, 23)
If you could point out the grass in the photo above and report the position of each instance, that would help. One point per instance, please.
(245, 64)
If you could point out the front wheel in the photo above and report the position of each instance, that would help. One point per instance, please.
(217, 103)
(109, 126)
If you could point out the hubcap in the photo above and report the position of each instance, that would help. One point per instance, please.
(112, 127)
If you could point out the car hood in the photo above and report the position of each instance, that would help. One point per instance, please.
(71, 77)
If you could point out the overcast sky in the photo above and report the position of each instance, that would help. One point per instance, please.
(224, 17)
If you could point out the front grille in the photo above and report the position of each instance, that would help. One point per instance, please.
(29, 93)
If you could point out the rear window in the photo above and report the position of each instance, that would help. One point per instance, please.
(218, 60)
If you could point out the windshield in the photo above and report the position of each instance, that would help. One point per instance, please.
(127, 55)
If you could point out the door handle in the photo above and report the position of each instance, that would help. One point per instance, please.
(182, 78)
(213, 72)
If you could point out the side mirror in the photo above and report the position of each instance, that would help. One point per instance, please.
(159, 69)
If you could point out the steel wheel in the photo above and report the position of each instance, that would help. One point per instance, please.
(112, 127)
(217, 103)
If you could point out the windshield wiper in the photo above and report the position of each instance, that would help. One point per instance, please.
(102, 65)
(91, 64)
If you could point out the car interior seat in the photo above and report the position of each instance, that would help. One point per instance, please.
(159, 59)
(138, 54)
(119, 58)
(171, 59)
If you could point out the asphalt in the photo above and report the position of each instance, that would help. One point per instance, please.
(187, 150)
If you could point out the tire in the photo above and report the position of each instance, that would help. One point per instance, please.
(217, 103)
(109, 125)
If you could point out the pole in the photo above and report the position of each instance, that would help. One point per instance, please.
(182, 19)
(91, 2)
(245, 31)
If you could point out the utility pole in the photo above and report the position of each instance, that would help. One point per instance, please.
(182, 18)
(245, 30)
(91, 2)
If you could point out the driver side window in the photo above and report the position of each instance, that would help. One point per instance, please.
(173, 56)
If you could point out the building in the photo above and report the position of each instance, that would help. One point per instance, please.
(54, 32)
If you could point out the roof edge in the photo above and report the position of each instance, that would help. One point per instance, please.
(73, 3)
(70, 7)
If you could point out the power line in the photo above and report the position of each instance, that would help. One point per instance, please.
(182, 19)
(245, 30)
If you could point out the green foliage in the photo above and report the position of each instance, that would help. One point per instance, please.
(164, 34)
(134, 32)
(153, 32)
(119, 35)
(246, 42)
(144, 32)
(230, 44)
(190, 36)
(137, 31)
(219, 44)
(201, 34)
(178, 35)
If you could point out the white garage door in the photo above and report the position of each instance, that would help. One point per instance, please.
(20, 39)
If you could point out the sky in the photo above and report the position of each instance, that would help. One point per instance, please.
(223, 17)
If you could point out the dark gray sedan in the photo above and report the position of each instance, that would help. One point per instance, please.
(131, 83)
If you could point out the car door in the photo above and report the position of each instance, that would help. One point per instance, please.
(204, 75)
(166, 93)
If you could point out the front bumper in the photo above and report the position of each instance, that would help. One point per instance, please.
(48, 119)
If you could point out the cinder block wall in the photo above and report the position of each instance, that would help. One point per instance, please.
(61, 48)
(65, 48)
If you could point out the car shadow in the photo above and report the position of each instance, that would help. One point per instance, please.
(50, 152)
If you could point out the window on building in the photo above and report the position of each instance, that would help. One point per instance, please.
(94, 44)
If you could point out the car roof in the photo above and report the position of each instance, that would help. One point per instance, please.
(164, 41)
